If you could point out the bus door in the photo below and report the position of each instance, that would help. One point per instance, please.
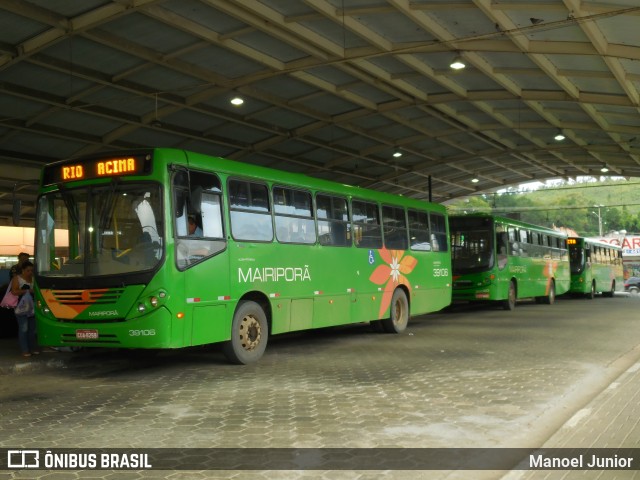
(200, 256)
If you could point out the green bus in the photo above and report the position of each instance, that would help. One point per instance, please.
(167, 248)
(596, 266)
(502, 260)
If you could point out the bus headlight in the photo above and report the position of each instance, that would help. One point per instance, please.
(43, 306)
(141, 308)
(153, 301)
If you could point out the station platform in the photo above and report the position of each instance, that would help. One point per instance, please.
(540, 377)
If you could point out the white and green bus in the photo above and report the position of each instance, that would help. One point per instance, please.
(168, 248)
(596, 266)
(497, 259)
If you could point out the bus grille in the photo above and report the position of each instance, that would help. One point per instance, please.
(92, 320)
(104, 339)
(462, 284)
(87, 297)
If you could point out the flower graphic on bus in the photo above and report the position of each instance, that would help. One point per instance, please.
(392, 274)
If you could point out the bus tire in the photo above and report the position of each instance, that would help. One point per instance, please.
(510, 302)
(249, 334)
(398, 314)
(591, 294)
(551, 298)
(610, 293)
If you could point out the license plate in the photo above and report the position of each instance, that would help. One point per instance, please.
(86, 334)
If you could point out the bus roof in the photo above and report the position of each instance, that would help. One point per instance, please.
(215, 164)
(598, 242)
(232, 167)
(511, 221)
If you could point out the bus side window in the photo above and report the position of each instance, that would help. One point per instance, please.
(438, 227)
(181, 200)
(523, 246)
(394, 227)
(534, 249)
(366, 224)
(211, 214)
(513, 241)
(294, 216)
(250, 211)
(502, 244)
(333, 221)
(419, 230)
(198, 211)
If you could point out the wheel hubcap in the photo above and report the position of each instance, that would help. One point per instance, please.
(250, 333)
(398, 313)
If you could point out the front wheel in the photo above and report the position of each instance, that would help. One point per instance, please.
(592, 293)
(399, 315)
(551, 298)
(249, 334)
(611, 292)
(510, 302)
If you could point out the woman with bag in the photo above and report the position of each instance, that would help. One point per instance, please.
(22, 286)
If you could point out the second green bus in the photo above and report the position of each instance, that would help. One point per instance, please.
(503, 260)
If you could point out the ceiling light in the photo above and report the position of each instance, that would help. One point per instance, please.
(604, 169)
(237, 101)
(475, 180)
(457, 63)
(559, 136)
(397, 154)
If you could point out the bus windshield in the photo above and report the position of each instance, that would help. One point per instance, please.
(576, 258)
(110, 229)
(471, 248)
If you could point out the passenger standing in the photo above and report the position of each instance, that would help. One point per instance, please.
(22, 257)
(22, 286)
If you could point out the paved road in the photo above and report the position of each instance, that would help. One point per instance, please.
(461, 378)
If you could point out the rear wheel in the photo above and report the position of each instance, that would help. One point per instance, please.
(550, 299)
(610, 292)
(399, 314)
(510, 302)
(249, 334)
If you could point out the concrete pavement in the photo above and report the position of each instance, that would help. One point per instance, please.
(541, 376)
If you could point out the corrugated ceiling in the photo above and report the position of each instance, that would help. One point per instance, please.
(331, 88)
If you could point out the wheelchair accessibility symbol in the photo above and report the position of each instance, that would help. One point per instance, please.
(372, 258)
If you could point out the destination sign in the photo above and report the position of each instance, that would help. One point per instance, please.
(92, 168)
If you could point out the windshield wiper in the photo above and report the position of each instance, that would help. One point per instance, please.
(70, 203)
(107, 206)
